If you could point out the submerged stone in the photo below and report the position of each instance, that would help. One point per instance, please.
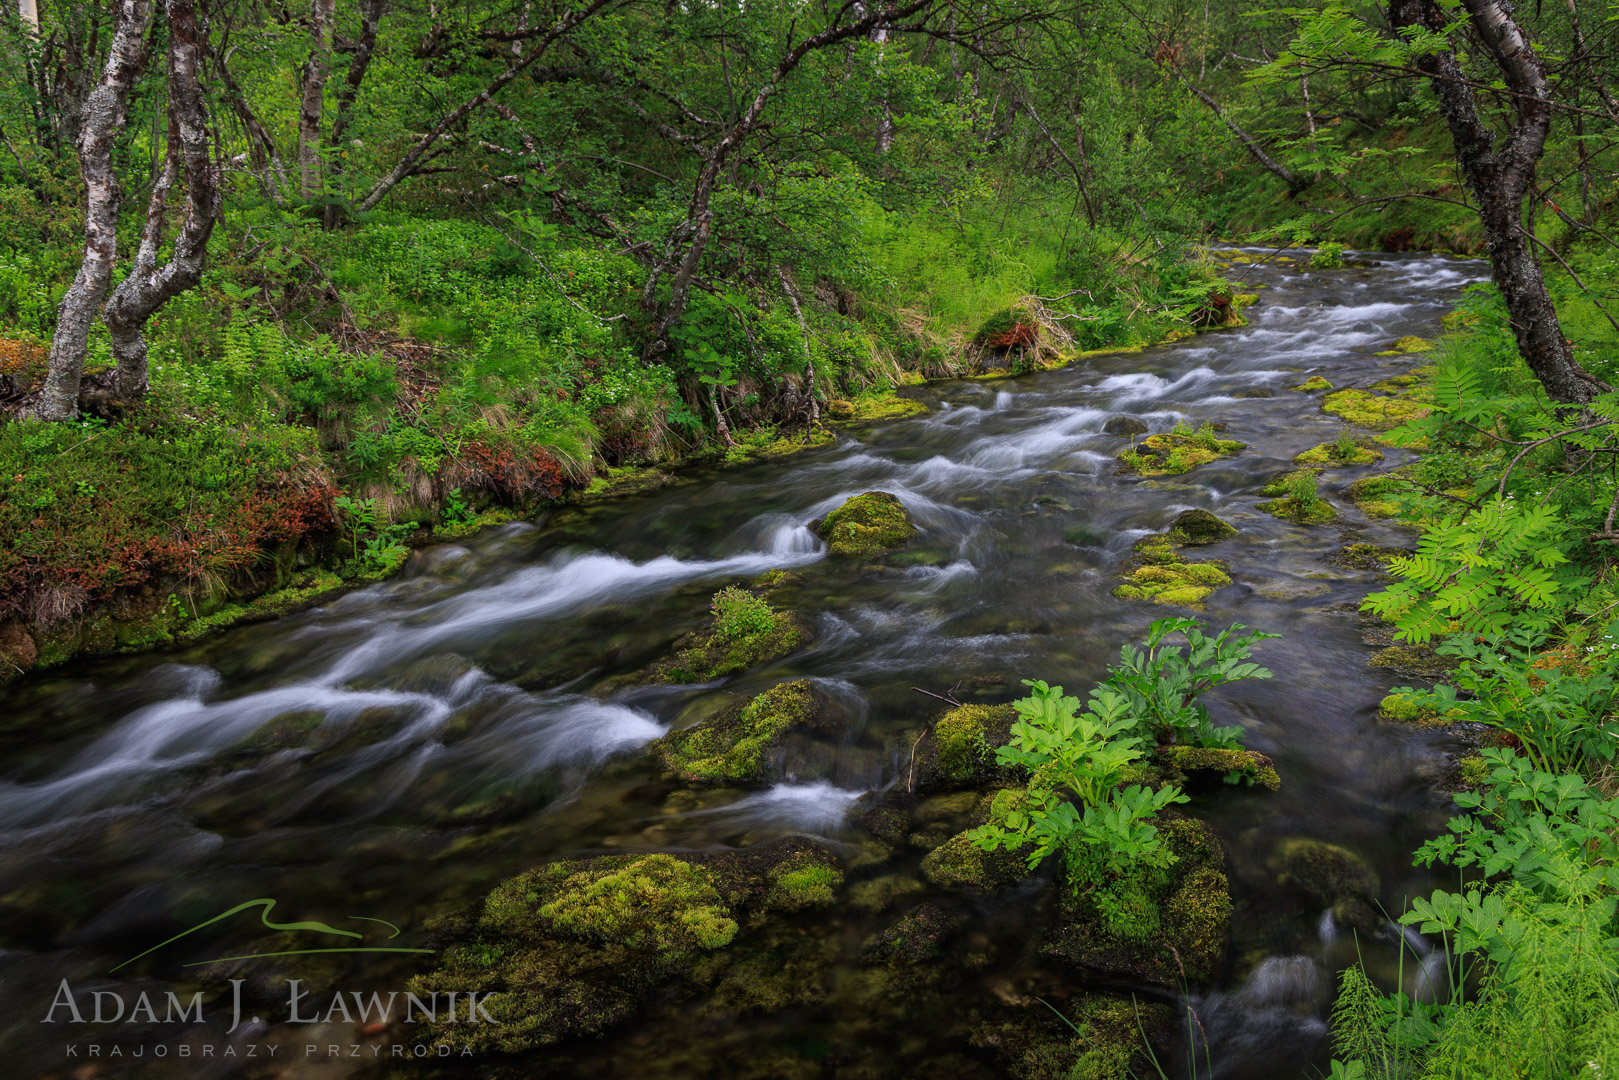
(1197, 527)
(1124, 425)
(1329, 876)
(576, 946)
(739, 743)
(868, 524)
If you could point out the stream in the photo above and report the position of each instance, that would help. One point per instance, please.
(459, 741)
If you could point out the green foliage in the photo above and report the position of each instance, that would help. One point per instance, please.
(739, 614)
(1480, 572)
(656, 903)
(1162, 683)
(1328, 256)
(374, 547)
(1078, 755)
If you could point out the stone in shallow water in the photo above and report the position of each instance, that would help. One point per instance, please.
(868, 524)
(1124, 425)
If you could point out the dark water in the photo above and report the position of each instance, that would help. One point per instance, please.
(461, 743)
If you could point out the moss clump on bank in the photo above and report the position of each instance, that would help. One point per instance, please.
(1377, 412)
(869, 524)
(1178, 451)
(1360, 556)
(959, 864)
(1411, 343)
(1313, 385)
(1339, 453)
(1404, 708)
(1373, 495)
(735, 745)
(1418, 660)
(870, 408)
(1234, 766)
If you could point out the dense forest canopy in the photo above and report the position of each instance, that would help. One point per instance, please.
(286, 287)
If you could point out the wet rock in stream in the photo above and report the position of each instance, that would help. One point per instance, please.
(869, 524)
(747, 742)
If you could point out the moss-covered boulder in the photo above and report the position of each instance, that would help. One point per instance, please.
(574, 947)
(1411, 343)
(1328, 876)
(1295, 499)
(1340, 453)
(1161, 926)
(1192, 528)
(1174, 452)
(958, 751)
(1183, 583)
(869, 524)
(743, 742)
(1313, 385)
(747, 632)
(1179, 763)
(1375, 495)
(1375, 412)
(1124, 425)
(960, 864)
(1363, 556)
(872, 407)
(1420, 661)
(1406, 708)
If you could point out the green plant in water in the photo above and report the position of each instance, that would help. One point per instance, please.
(1328, 256)
(1078, 757)
(1162, 682)
(739, 614)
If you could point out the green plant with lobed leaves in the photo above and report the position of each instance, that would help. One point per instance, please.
(1079, 757)
(1162, 682)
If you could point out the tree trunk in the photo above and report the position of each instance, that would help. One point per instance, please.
(101, 120)
(148, 286)
(370, 19)
(1295, 183)
(266, 158)
(1499, 176)
(312, 101)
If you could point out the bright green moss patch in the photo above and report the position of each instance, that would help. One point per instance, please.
(747, 632)
(734, 746)
(1339, 453)
(1405, 708)
(1296, 499)
(1411, 343)
(1174, 452)
(1373, 411)
(656, 903)
(1374, 495)
(764, 443)
(1313, 385)
(868, 524)
(958, 864)
(1236, 766)
(869, 408)
(803, 882)
(1184, 584)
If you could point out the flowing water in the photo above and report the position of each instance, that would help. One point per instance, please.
(459, 741)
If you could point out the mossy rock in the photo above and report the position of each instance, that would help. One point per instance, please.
(280, 732)
(957, 864)
(1185, 584)
(1420, 661)
(1232, 766)
(869, 524)
(1362, 556)
(1300, 511)
(1124, 425)
(1375, 412)
(1405, 708)
(1175, 452)
(959, 750)
(1372, 495)
(1163, 926)
(1411, 343)
(574, 947)
(1313, 385)
(705, 656)
(918, 937)
(739, 744)
(1194, 528)
(1331, 453)
(1326, 875)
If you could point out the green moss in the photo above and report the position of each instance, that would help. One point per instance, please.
(1197, 527)
(960, 745)
(1333, 453)
(1299, 511)
(1419, 660)
(872, 407)
(1175, 452)
(1182, 583)
(1313, 385)
(1473, 770)
(1359, 556)
(656, 903)
(1235, 765)
(1404, 708)
(1411, 343)
(764, 444)
(1372, 495)
(1374, 411)
(747, 632)
(957, 864)
(734, 745)
(868, 524)
(280, 732)
(802, 883)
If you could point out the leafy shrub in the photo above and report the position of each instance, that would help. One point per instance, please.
(739, 614)
(1162, 683)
